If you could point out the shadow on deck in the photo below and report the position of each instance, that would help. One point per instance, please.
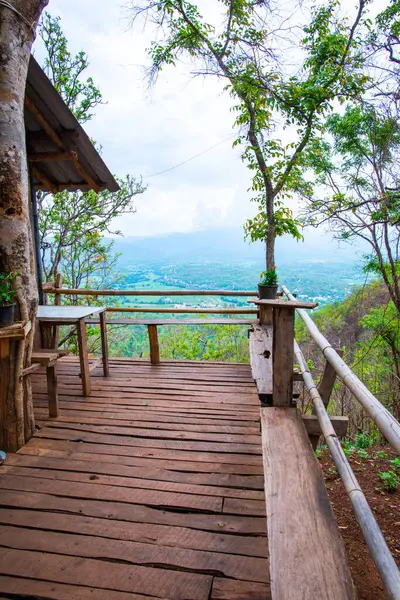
(151, 487)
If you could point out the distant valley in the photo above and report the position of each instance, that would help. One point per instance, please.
(317, 269)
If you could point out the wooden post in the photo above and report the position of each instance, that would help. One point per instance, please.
(57, 302)
(282, 355)
(104, 344)
(154, 346)
(83, 357)
(325, 388)
(265, 315)
(52, 390)
(11, 419)
(282, 344)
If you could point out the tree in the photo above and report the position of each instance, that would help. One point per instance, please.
(239, 49)
(66, 71)
(17, 32)
(359, 172)
(72, 224)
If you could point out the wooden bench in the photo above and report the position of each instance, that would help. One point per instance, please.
(152, 325)
(307, 558)
(47, 359)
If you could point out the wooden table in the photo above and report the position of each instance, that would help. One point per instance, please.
(50, 316)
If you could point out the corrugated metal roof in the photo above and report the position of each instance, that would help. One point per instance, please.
(71, 162)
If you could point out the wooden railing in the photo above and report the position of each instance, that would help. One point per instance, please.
(387, 425)
(152, 324)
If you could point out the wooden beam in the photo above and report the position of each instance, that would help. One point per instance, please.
(154, 346)
(46, 126)
(90, 292)
(42, 136)
(188, 311)
(307, 557)
(31, 369)
(48, 185)
(325, 386)
(283, 355)
(71, 187)
(313, 427)
(279, 302)
(85, 175)
(52, 156)
(179, 321)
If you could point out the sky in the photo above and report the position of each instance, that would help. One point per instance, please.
(145, 131)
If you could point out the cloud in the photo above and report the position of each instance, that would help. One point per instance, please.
(145, 131)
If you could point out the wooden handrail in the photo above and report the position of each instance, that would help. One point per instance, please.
(189, 311)
(373, 535)
(50, 288)
(384, 420)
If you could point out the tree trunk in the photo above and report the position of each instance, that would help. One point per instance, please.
(270, 238)
(16, 247)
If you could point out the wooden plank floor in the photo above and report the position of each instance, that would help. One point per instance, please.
(150, 488)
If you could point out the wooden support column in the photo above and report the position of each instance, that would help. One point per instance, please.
(83, 357)
(282, 356)
(104, 343)
(154, 346)
(52, 391)
(57, 302)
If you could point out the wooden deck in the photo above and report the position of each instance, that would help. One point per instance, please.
(150, 488)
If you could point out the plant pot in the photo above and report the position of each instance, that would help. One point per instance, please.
(267, 292)
(7, 315)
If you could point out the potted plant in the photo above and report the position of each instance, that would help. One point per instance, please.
(7, 297)
(268, 286)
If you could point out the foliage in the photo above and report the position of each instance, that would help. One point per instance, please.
(72, 224)
(396, 463)
(242, 49)
(390, 480)
(269, 277)
(362, 199)
(185, 342)
(365, 329)
(381, 454)
(363, 441)
(8, 292)
(362, 454)
(65, 71)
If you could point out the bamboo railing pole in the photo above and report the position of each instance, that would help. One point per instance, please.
(380, 552)
(384, 420)
(83, 292)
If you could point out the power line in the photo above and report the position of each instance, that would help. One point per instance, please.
(191, 158)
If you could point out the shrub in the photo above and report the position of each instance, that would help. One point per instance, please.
(396, 463)
(390, 480)
(363, 440)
